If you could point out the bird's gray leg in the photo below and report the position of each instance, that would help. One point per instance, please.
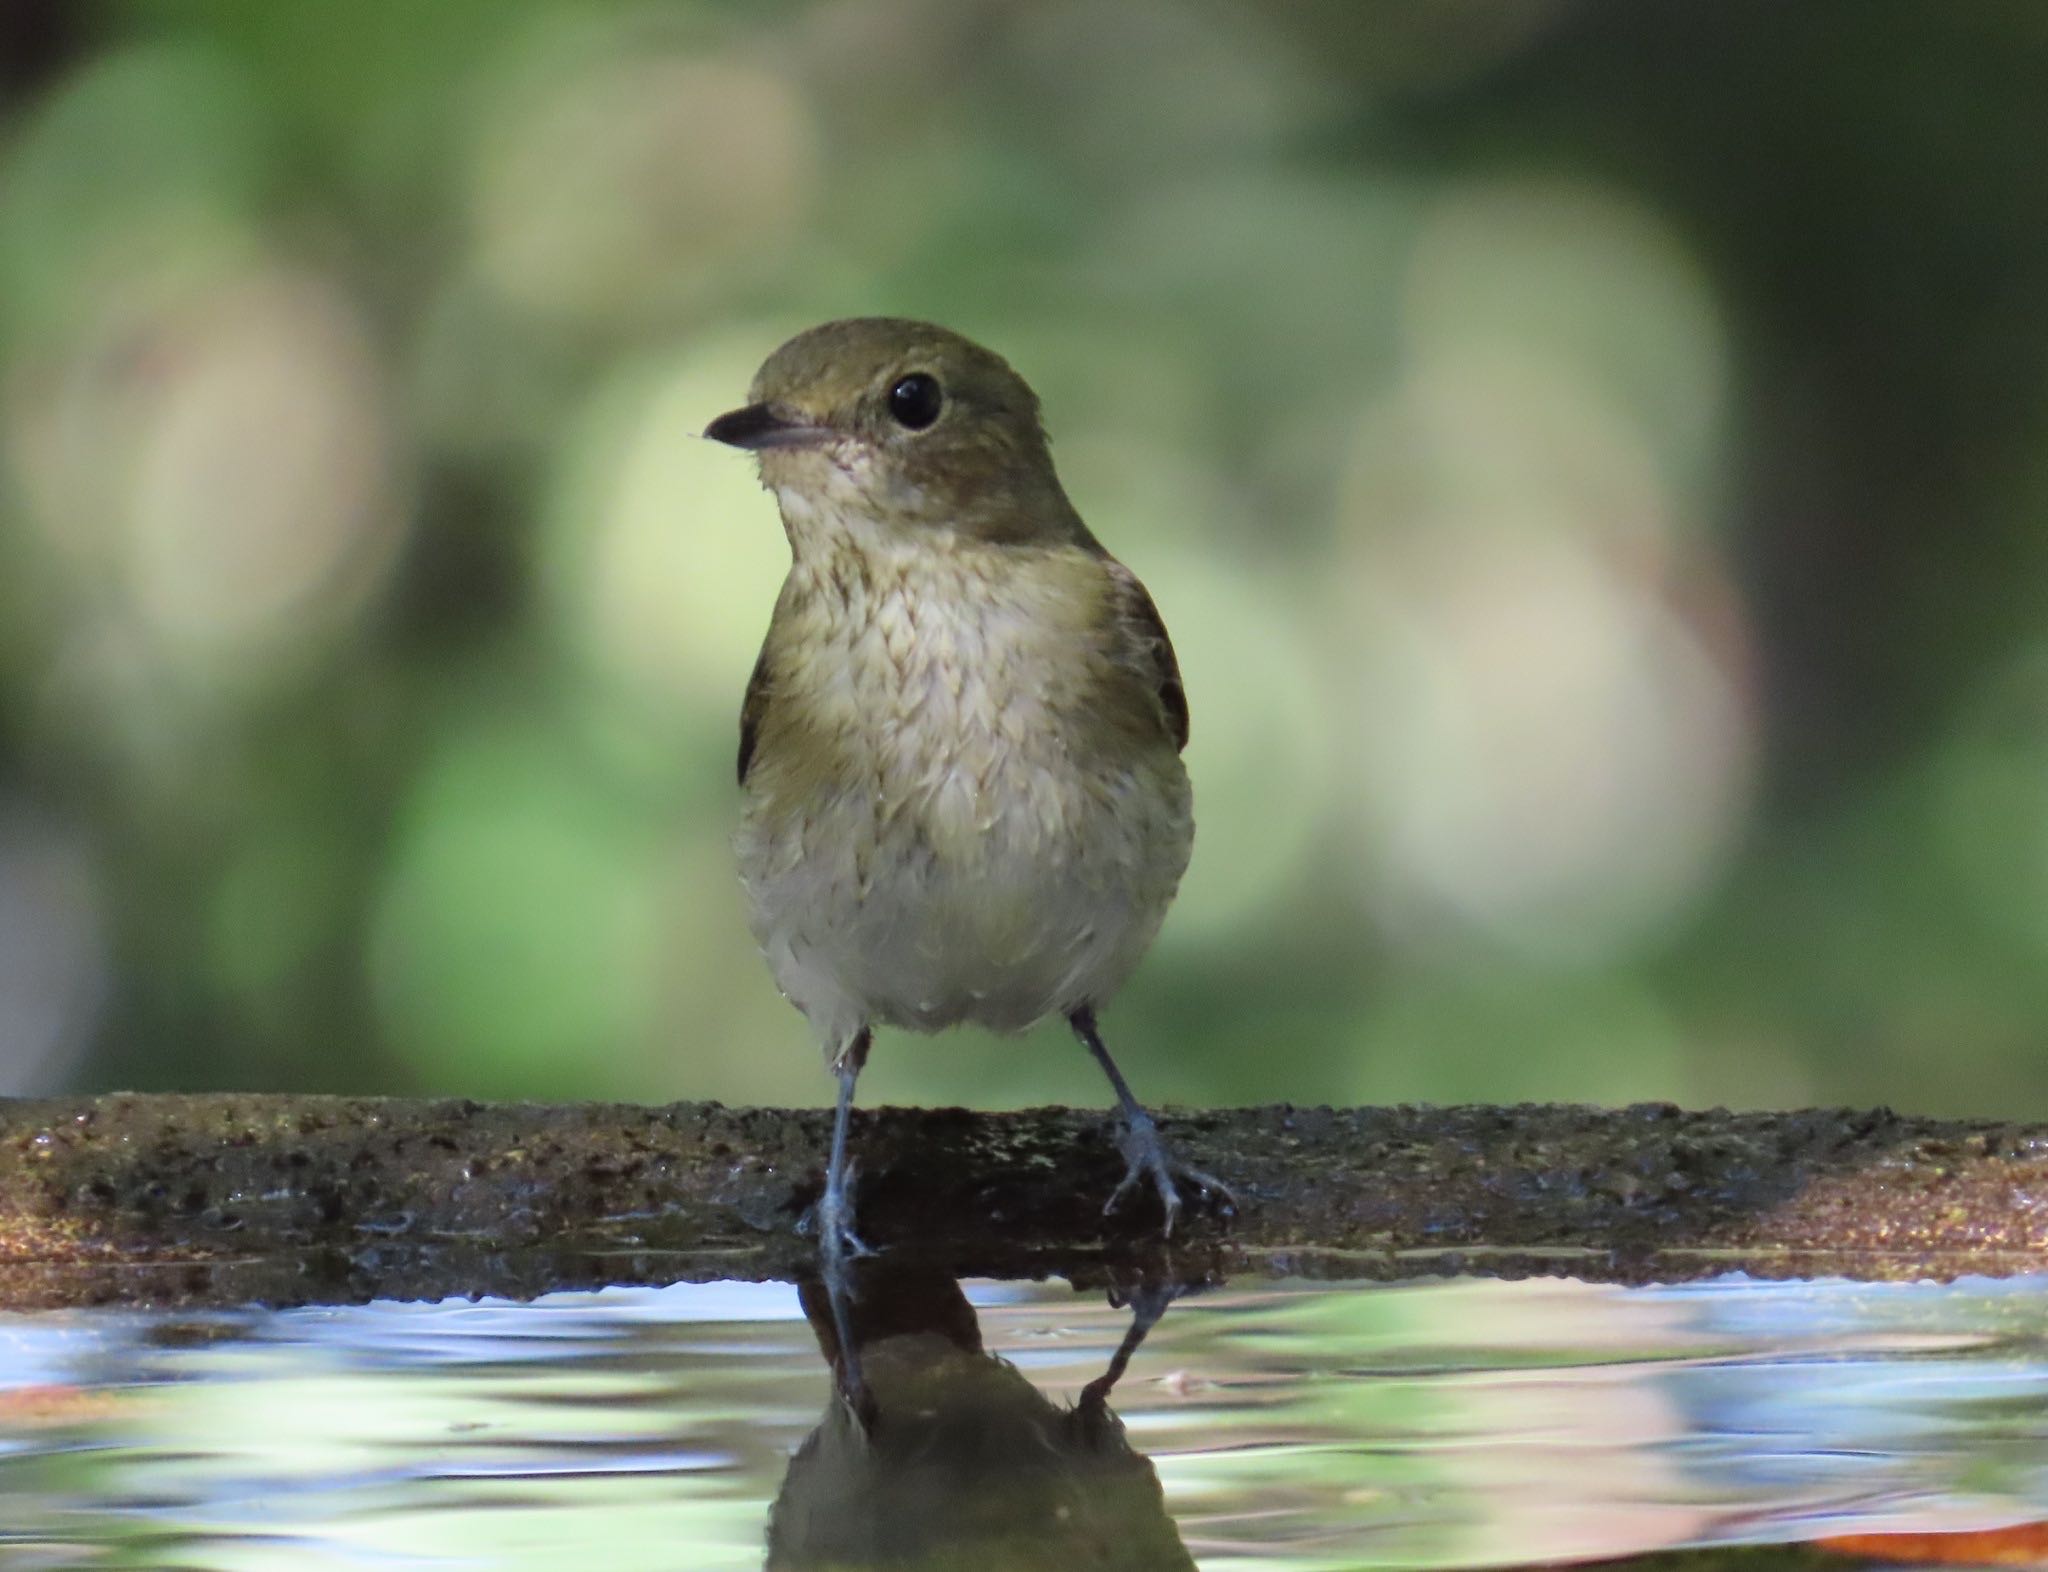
(836, 1238)
(838, 1244)
(1143, 1147)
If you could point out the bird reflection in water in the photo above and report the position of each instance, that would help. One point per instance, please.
(935, 1453)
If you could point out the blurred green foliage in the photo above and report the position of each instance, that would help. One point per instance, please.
(1591, 454)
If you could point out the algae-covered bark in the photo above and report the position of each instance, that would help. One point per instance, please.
(148, 1199)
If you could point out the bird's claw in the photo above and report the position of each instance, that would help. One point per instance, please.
(842, 1243)
(1146, 1154)
(834, 1222)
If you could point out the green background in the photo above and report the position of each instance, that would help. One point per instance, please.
(1592, 458)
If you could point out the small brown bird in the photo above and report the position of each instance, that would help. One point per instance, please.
(960, 749)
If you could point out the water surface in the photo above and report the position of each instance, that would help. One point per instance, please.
(1447, 1424)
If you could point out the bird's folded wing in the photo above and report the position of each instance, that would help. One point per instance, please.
(752, 709)
(1147, 633)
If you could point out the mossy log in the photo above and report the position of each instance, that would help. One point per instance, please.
(135, 1199)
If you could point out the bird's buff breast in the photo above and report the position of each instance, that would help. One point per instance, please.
(940, 825)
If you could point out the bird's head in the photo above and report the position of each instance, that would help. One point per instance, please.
(903, 425)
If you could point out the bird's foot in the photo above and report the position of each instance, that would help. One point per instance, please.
(1145, 1151)
(833, 1220)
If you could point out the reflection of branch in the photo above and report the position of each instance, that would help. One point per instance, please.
(297, 1199)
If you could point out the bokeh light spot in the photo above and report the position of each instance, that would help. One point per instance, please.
(263, 506)
(515, 947)
(1588, 284)
(617, 174)
(138, 170)
(1557, 734)
(1552, 756)
(661, 554)
(215, 473)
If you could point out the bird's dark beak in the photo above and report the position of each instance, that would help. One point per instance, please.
(761, 426)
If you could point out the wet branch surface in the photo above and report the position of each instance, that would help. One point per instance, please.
(163, 1200)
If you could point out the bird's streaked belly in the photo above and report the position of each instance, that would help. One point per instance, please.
(950, 848)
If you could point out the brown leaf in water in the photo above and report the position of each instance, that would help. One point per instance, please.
(2022, 1545)
(54, 1403)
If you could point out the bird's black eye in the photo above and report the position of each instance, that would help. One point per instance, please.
(915, 400)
